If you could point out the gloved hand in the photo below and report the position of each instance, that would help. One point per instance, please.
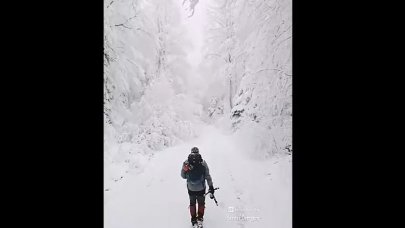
(186, 167)
(211, 190)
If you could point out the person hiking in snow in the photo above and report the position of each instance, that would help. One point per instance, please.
(196, 171)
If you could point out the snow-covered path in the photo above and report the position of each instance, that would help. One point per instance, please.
(258, 192)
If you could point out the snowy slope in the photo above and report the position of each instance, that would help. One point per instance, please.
(259, 191)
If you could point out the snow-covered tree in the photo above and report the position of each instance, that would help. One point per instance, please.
(145, 75)
(250, 50)
(148, 104)
(215, 74)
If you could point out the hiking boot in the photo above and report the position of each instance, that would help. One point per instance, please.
(193, 220)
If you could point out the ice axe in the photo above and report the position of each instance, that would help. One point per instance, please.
(212, 196)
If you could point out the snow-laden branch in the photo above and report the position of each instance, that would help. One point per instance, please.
(110, 4)
(215, 55)
(192, 4)
(123, 24)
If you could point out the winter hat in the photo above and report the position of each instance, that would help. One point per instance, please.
(194, 150)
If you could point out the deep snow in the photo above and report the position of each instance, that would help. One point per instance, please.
(259, 192)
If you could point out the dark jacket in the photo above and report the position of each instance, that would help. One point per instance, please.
(197, 182)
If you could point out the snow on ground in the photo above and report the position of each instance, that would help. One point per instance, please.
(253, 192)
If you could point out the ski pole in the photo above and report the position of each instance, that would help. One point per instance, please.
(215, 200)
(212, 196)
